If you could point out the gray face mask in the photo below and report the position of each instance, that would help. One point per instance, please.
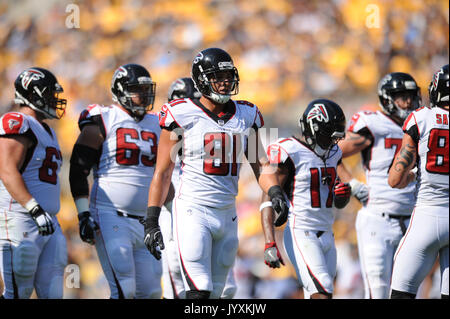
(219, 98)
(320, 151)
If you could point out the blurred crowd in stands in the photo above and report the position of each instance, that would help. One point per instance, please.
(287, 53)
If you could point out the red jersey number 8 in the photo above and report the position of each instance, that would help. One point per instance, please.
(217, 161)
(438, 154)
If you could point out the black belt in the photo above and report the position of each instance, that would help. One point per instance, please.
(141, 219)
(401, 219)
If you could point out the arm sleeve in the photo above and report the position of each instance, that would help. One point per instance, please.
(410, 127)
(92, 115)
(81, 162)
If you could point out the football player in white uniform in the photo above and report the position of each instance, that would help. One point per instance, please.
(172, 279)
(33, 251)
(173, 286)
(426, 141)
(307, 169)
(385, 215)
(215, 133)
(120, 143)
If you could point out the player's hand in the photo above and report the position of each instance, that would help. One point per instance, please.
(279, 205)
(153, 236)
(43, 220)
(88, 227)
(360, 191)
(272, 256)
(342, 193)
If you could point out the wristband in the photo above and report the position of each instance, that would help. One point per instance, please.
(264, 205)
(270, 245)
(353, 183)
(31, 204)
(153, 213)
(82, 204)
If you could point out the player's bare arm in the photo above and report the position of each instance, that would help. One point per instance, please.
(262, 169)
(12, 155)
(267, 214)
(272, 256)
(159, 189)
(354, 143)
(165, 163)
(269, 183)
(343, 173)
(400, 174)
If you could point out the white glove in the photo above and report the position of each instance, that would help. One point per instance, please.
(42, 219)
(360, 191)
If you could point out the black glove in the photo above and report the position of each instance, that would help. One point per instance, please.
(153, 236)
(88, 227)
(342, 193)
(279, 205)
(43, 220)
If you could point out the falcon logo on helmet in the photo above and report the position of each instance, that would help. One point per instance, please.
(120, 72)
(436, 78)
(31, 75)
(198, 57)
(318, 112)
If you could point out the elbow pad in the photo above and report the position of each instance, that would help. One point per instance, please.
(82, 159)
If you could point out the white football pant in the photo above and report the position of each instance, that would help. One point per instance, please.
(378, 237)
(131, 271)
(426, 239)
(207, 243)
(313, 255)
(31, 261)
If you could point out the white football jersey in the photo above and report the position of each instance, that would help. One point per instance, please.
(42, 162)
(378, 158)
(429, 128)
(212, 148)
(310, 191)
(127, 161)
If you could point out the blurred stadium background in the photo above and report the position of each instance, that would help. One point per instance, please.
(287, 53)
